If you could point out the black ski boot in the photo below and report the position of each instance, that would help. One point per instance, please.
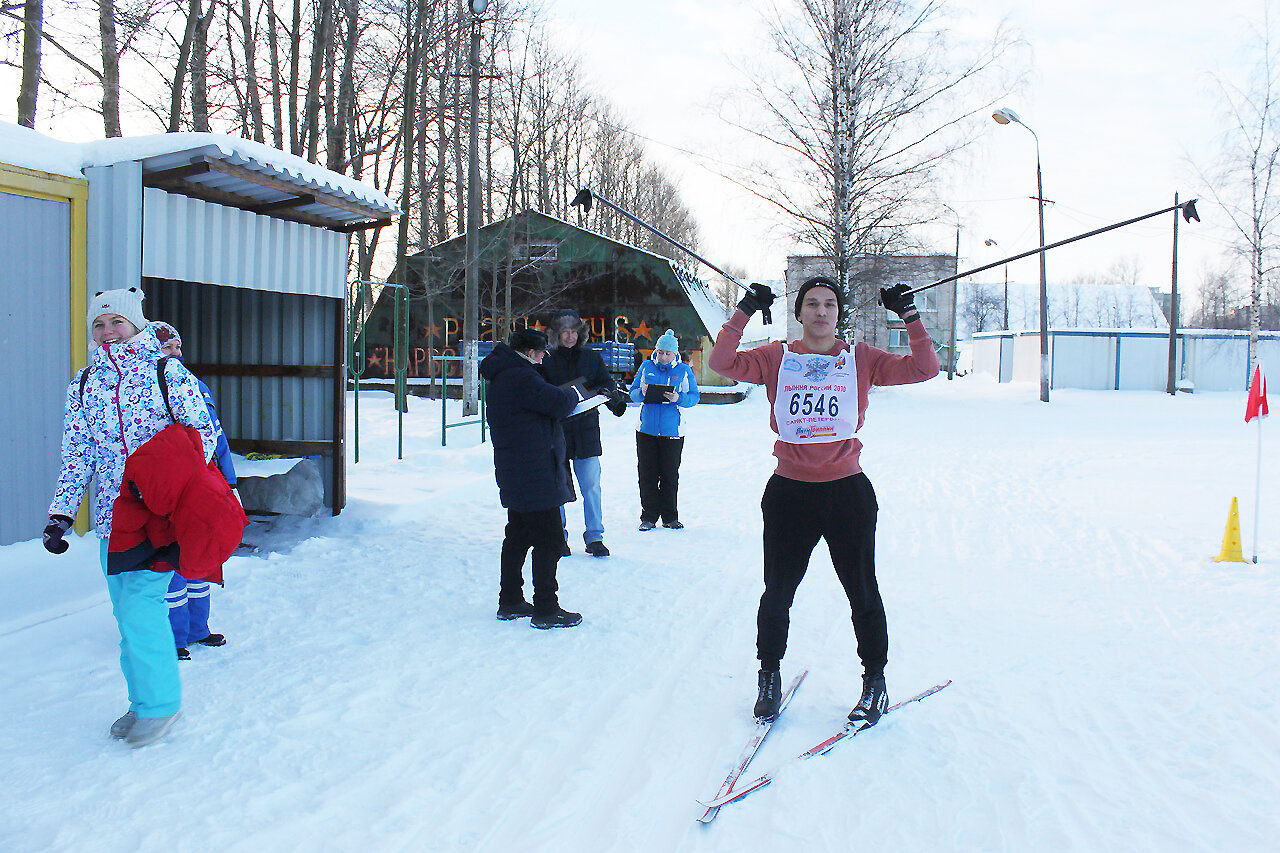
(873, 704)
(769, 702)
(558, 618)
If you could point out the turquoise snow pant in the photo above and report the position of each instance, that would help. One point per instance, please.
(147, 659)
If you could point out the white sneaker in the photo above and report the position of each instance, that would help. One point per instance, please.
(150, 729)
(120, 728)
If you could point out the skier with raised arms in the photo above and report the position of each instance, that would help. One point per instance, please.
(817, 388)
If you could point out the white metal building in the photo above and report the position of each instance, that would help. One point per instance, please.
(1124, 359)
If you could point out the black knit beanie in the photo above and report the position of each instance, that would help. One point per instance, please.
(820, 281)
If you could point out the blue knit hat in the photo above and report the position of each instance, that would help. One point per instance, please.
(667, 343)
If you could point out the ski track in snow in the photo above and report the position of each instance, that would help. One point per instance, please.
(1113, 688)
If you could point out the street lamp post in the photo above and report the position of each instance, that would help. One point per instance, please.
(1005, 324)
(1004, 115)
(471, 289)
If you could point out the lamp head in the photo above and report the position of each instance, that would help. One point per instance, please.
(583, 199)
(478, 7)
(1004, 115)
(1189, 211)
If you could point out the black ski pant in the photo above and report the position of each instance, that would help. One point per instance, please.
(796, 516)
(658, 463)
(541, 531)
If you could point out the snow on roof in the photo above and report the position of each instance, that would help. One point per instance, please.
(30, 149)
(710, 310)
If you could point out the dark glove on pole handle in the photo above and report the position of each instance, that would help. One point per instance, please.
(758, 298)
(898, 300)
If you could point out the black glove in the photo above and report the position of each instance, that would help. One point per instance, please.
(617, 402)
(58, 527)
(898, 300)
(759, 297)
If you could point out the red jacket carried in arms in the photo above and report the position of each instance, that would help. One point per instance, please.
(175, 512)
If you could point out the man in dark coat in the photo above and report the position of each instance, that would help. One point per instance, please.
(569, 361)
(524, 412)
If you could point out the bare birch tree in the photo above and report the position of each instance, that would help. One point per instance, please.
(870, 101)
(1246, 181)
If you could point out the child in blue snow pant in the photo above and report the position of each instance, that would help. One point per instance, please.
(189, 600)
(146, 640)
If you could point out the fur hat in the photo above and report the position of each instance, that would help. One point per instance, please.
(126, 303)
(820, 281)
(667, 343)
(566, 319)
(165, 333)
(523, 340)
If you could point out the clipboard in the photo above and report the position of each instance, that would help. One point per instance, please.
(585, 403)
(588, 404)
(654, 393)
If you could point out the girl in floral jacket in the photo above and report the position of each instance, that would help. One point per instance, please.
(114, 407)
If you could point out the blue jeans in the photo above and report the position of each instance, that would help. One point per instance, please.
(588, 474)
(147, 658)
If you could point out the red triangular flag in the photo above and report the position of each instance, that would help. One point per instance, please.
(1257, 406)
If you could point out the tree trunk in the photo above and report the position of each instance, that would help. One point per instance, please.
(295, 61)
(341, 128)
(320, 45)
(251, 70)
(277, 105)
(32, 34)
(110, 68)
(179, 71)
(200, 68)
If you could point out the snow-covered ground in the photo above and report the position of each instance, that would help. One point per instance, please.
(1114, 689)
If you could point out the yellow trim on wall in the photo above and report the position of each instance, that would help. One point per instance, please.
(29, 183)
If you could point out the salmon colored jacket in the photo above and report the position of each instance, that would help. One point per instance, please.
(821, 463)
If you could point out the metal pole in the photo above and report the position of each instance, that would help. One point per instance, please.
(955, 293)
(1044, 284)
(1006, 297)
(1173, 307)
(471, 291)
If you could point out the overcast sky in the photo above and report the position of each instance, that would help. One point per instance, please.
(1121, 94)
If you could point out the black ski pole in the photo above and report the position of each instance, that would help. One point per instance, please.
(586, 196)
(1188, 213)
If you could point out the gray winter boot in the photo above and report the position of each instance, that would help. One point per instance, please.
(150, 729)
(121, 727)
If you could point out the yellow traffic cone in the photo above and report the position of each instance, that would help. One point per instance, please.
(1231, 552)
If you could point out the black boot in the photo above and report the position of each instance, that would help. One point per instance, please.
(557, 618)
(873, 704)
(508, 610)
(769, 702)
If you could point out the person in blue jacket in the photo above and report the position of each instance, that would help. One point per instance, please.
(189, 600)
(660, 439)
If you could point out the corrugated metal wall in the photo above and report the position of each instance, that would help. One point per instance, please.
(186, 239)
(115, 226)
(35, 281)
(241, 331)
